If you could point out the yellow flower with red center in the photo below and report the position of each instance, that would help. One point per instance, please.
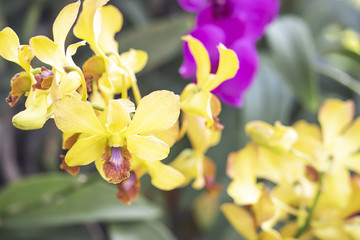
(113, 138)
(38, 88)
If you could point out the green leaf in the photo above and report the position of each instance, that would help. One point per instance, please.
(160, 39)
(141, 230)
(81, 202)
(293, 50)
(322, 13)
(58, 233)
(33, 190)
(269, 98)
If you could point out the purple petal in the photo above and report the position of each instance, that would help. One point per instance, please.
(233, 27)
(193, 5)
(240, 18)
(210, 36)
(231, 91)
(257, 14)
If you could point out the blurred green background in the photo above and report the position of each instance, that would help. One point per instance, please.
(312, 52)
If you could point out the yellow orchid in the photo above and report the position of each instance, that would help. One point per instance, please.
(192, 162)
(197, 98)
(333, 149)
(310, 168)
(98, 24)
(36, 112)
(38, 87)
(266, 208)
(114, 138)
(68, 75)
(163, 177)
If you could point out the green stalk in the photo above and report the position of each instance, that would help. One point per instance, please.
(97, 107)
(307, 223)
(339, 76)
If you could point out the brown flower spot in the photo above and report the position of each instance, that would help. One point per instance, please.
(72, 170)
(117, 164)
(43, 79)
(69, 142)
(128, 189)
(20, 84)
(311, 173)
(93, 68)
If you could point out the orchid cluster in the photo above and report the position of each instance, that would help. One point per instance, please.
(289, 182)
(125, 140)
(313, 172)
(237, 24)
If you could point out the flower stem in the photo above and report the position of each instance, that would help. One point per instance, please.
(97, 107)
(123, 89)
(136, 92)
(307, 223)
(338, 75)
(36, 71)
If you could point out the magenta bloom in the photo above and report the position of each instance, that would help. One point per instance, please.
(238, 24)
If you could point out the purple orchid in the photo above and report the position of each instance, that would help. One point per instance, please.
(237, 24)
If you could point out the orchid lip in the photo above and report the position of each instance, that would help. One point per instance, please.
(116, 157)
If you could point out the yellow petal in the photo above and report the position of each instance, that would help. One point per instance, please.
(71, 50)
(264, 209)
(279, 138)
(25, 55)
(69, 82)
(69, 139)
(242, 163)
(135, 59)
(168, 136)
(307, 130)
(199, 181)
(111, 23)
(337, 190)
(353, 162)
(241, 167)
(201, 137)
(202, 59)
(118, 117)
(199, 104)
(88, 25)
(243, 192)
(20, 84)
(34, 116)
(329, 232)
(73, 115)
(163, 176)
(278, 168)
(147, 148)
(349, 142)
(64, 22)
(334, 116)
(228, 67)
(48, 52)
(115, 76)
(157, 111)
(9, 45)
(241, 220)
(85, 151)
(185, 162)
